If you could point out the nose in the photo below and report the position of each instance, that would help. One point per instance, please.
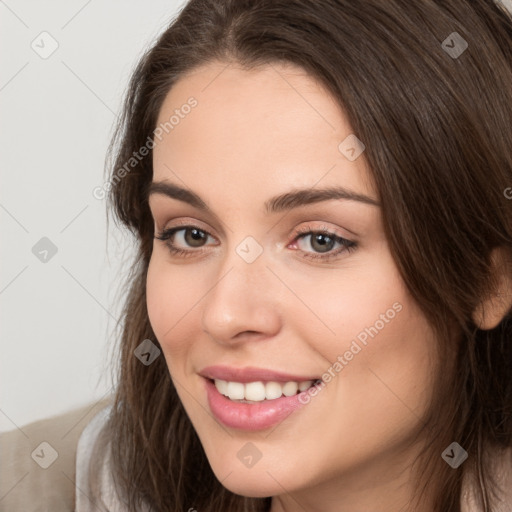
(243, 303)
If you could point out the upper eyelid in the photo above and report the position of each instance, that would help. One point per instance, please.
(223, 228)
(186, 224)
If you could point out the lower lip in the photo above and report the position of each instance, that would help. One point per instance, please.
(257, 416)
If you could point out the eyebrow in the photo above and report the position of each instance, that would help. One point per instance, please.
(280, 203)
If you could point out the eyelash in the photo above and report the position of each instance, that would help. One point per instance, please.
(347, 245)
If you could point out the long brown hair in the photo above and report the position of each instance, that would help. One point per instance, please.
(438, 134)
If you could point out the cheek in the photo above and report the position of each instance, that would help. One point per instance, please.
(354, 302)
(384, 346)
(171, 296)
(387, 379)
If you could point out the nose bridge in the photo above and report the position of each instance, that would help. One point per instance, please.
(242, 298)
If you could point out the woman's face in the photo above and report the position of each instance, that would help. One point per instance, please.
(255, 296)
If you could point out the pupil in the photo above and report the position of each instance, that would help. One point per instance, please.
(325, 245)
(196, 236)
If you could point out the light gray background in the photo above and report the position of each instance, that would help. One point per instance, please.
(57, 117)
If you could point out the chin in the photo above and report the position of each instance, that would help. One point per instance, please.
(251, 486)
(259, 481)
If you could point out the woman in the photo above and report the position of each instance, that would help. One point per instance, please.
(319, 314)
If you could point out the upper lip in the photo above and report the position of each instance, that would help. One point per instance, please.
(250, 374)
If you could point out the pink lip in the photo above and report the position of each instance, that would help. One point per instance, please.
(256, 416)
(250, 374)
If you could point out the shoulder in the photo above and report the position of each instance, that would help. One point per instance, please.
(95, 487)
(37, 471)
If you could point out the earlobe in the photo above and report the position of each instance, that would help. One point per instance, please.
(490, 312)
(492, 309)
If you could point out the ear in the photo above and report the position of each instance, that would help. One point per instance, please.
(492, 309)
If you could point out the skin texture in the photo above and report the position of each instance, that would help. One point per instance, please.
(253, 135)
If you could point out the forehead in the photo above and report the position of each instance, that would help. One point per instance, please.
(273, 122)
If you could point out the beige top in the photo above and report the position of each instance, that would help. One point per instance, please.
(38, 461)
(105, 498)
(43, 466)
(110, 502)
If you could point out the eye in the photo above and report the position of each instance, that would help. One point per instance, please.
(188, 236)
(187, 241)
(322, 242)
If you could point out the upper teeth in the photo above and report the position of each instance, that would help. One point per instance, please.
(259, 391)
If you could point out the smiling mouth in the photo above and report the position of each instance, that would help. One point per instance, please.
(260, 391)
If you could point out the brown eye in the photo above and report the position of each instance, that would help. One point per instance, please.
(194, 237)
(184, 240)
